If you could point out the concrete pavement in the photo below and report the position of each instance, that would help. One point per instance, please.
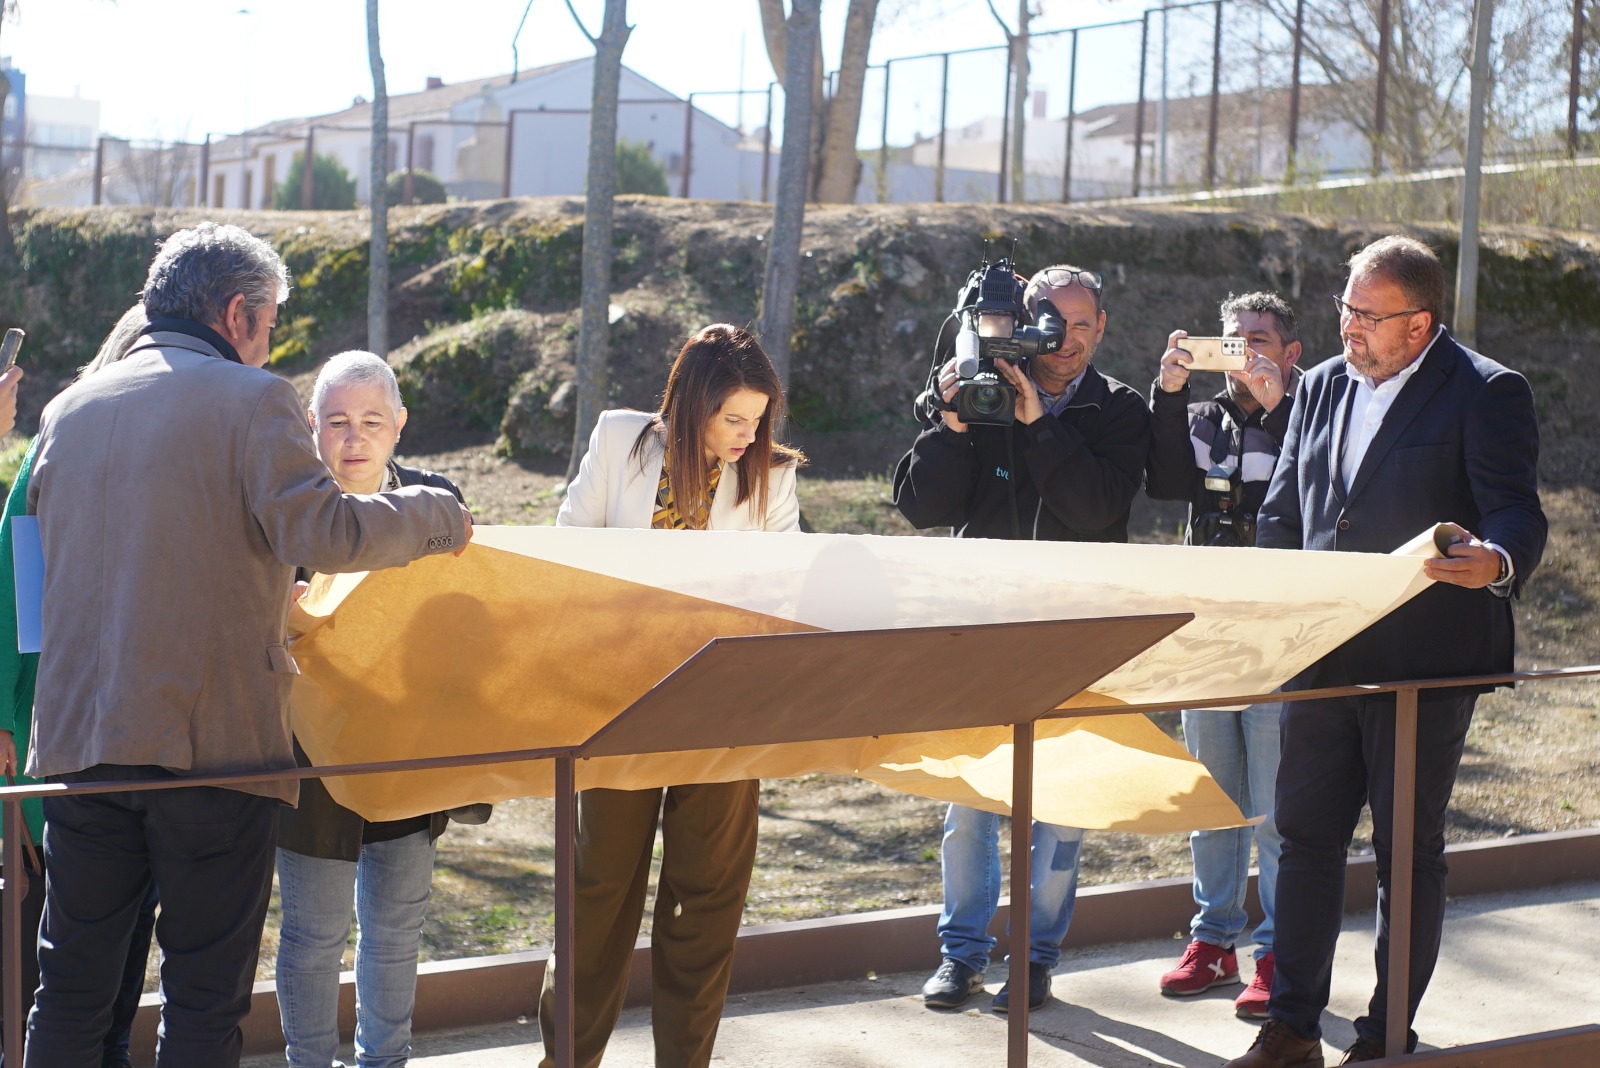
(1513, 963)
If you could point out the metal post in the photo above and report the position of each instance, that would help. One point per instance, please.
(1464, 325)
(1072, 112)
(99, 168)
(1572, 94)
(11, 938)
(1383, 85)
(511, 129)
(1400, 865)
(944, 119)
(411, 144)
(1021, 891)
(883, 149)
(1138, 113)
(1216, 88)
(1161, 105)
(688, 143)
(306, 180)
(1294, 86)
(204, 194)
(1005, 130)
(566, 925)
(766, 146)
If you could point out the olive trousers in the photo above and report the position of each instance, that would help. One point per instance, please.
(708, 835)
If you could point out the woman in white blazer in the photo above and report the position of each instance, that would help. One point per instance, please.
(706, 460)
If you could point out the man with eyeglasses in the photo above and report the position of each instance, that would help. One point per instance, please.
(1219, 454)
(1408, 430)
(1066, 470)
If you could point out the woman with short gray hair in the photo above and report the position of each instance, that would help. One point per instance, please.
(327, 854)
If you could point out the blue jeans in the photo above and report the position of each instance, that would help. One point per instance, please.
(1240, 749)
(971, 859)
(390, 885)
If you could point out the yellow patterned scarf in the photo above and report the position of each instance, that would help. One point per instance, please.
(667, 516)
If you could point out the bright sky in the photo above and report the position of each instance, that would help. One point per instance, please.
(183, 68)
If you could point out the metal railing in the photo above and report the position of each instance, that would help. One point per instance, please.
(1406, 705)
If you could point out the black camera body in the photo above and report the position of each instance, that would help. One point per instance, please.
(992, 323)
(1227, 523)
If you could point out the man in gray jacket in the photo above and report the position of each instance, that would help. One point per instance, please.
(175, 492)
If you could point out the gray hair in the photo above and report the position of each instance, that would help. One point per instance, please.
(199, 270)
(1263, 303)
(355, 368)
(1409, 264)
(118, 342)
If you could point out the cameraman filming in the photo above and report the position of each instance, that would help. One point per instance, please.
(1066, 469)
(1219, 455)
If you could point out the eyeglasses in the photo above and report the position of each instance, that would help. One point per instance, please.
(1064, 276)
(1367, 320)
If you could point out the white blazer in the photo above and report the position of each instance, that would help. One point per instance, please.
(614, 489)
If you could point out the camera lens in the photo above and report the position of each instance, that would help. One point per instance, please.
(987, 400)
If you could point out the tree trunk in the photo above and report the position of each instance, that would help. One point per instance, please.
(841, 165)
(378, 275)
(1019, 105)
(775, 31)
(594, 328)
(781, 279)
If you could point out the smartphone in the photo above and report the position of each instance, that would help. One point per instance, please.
(9, 349)
(1215, 353)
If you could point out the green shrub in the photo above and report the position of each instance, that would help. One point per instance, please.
(426, 188)
(332, 188)
(638, 171)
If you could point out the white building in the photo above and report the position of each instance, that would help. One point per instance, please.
(460, 133)
(1252, 146)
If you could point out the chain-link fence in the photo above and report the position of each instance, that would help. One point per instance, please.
(1197, 95)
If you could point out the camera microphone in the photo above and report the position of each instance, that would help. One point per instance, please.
(967, 352)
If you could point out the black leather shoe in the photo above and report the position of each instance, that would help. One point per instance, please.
(1364, 1050)
(951, 985)
(1038, 989)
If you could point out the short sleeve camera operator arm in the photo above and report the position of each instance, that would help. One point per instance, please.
(933, 481)
(1171, 473)
(1089, 473)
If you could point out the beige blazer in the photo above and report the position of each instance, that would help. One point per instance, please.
(614, 489)
(176, 491)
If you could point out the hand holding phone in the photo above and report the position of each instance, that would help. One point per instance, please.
(1215, 353)
(9, 348)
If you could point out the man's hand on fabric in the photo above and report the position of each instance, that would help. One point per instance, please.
(466, 515)
(1469, 563)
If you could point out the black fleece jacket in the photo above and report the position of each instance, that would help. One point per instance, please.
(1073, 476)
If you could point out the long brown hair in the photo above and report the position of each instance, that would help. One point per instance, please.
(714, 364)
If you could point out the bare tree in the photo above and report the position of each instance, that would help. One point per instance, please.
(781, 279)
(594, 327)
(378, 275)
(840, 170)
(835, 165)
(1018, 44)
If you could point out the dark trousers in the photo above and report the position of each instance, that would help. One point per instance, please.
(209, 853)
(1338, 754)
(708, 836)
(119, 1036)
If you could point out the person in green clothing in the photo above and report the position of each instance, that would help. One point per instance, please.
(16, 719)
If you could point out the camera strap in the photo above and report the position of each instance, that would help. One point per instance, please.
(1230, 439)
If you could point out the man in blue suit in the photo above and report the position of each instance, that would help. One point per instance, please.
(1407, 430)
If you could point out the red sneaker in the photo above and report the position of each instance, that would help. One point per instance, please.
(1203, 966)
(1252, 1004)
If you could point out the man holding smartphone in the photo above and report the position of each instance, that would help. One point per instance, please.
(9, 379)
(1219, 455)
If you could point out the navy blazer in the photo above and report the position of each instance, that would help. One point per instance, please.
(1460, 444)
